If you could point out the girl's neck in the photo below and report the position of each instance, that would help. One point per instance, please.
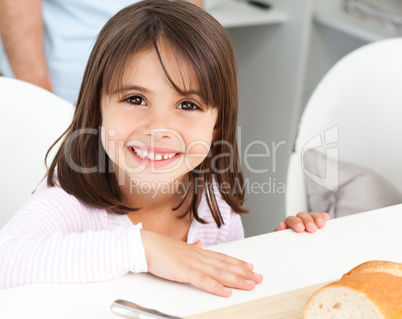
(142, 196)
(157, 210)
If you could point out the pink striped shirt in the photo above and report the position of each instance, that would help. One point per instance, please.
(57, 238)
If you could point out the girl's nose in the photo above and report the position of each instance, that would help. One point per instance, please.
(159, 124)
(162, 132)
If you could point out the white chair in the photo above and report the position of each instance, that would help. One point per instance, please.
(356, 114)
(31, 120)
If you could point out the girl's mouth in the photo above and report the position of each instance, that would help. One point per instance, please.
(153, 156)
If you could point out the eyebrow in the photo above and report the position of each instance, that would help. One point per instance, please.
(130, 88)
(145, 90)
(192, 92)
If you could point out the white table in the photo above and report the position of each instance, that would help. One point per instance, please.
(286, 259)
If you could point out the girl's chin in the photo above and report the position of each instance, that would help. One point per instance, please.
(155, 185)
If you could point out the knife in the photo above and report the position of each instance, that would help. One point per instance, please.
(128, 309)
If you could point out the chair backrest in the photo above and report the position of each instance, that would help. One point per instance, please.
(357, 110)
(31, 120)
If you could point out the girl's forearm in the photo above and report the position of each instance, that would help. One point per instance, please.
(70, 257)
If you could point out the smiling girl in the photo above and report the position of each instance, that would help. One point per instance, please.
(136, 183)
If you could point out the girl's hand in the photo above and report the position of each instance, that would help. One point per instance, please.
(304, 221)
(188, 263)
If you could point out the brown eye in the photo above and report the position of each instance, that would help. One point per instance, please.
(188, 106)
(136, 100)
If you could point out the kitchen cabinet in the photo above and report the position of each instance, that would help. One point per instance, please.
(334, 34)
(271, 51)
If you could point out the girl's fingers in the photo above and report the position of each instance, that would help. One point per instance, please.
(227, 271)
(230, 279)
(296, 223)
(219, 265)
(215, 279)
(225, 259)
(230, 274)
(319, 219)
(325, 216)
(200, 280)
(281, 226)
(308, 221)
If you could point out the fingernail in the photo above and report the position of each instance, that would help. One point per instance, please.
(250, 282)
(320, 221)
(249, 266)
(227, 290)
(299, 225)
(257, 276)
(311, 226)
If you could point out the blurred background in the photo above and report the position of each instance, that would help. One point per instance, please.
(282, 54)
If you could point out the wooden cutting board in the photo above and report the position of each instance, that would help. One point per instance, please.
(287, 305)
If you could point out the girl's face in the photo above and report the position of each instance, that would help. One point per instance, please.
(154, 135)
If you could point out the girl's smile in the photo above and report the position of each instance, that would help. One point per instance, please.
(157, 158)
(153, 154)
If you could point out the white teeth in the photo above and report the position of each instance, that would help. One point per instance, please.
(151, 155)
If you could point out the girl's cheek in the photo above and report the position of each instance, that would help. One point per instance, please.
(196, 153)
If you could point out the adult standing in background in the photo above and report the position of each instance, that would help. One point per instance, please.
(47, 42)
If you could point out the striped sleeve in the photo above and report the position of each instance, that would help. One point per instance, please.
(56, 238)
(236, 230)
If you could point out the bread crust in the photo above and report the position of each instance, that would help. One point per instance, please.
(378, 266)
(379, 281)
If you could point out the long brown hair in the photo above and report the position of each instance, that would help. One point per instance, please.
(83, 168)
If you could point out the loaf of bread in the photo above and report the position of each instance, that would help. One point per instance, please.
(369, 291)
